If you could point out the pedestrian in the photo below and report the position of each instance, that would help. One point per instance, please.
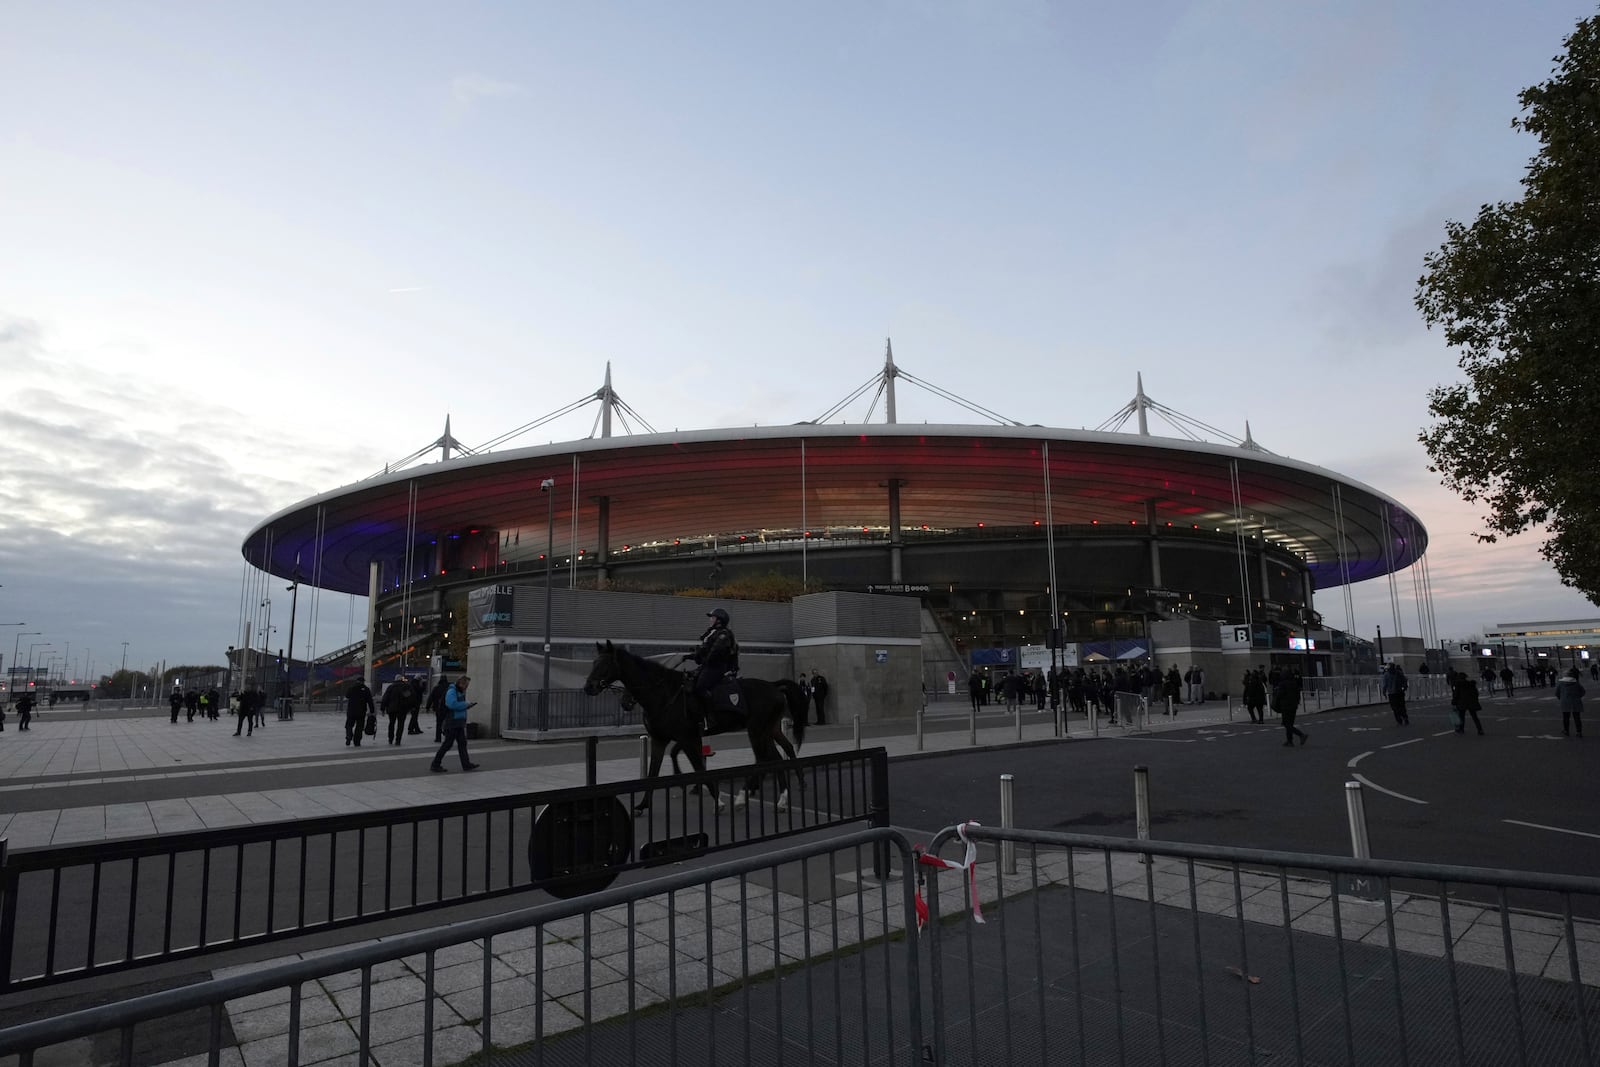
(1507, 680)
(205, 705)
(26, 701)
(247, 715)
(455, 733)
(258, 708)
(357, 706)
(1394, 687)
(399, 700)
(1255, 696)
(175, 702)
(819, 695)
(975, 689)
(1286, 702)
(1464, 701)
(436, 705)
(418, 691)
(1569, 694)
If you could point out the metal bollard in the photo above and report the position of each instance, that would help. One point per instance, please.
(591, 760)
(857, 721)
(1017, 715)
(1355, 805)
(644, 756)
(1094, 719)
(1141, 806)
(920, 712)
(1230, 707)
(972, 728)
(1008, 821)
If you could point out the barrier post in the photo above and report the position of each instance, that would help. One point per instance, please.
(1141, 806)
(857, 725)
(1008, 821)
(972, 728)
(644, 755)
(1356, 807)
(920, 712)
(1094, 719)
(1017, 715)
(591, 760)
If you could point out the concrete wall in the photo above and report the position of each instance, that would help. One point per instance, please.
(1186, 643)
(869, 648)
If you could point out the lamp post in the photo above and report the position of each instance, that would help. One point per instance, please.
(548, 488)
(16, 646)
(288, 666)
(266, 639)
(34, 645)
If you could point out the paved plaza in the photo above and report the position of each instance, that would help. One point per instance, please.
(77, 778)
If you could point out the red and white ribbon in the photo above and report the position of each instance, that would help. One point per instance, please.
(968, 863)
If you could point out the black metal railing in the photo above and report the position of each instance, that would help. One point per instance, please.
(70, 912)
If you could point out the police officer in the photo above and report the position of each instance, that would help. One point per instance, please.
(718, 655)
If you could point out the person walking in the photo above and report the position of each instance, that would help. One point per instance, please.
(1286, 702)
(358, 705)
(1394, 687)
(436, 705)
(1507, 680)
(975, 690)
(1255, 697)
(1569, 694)
(399, 700)
(819, 695)
(247, 714)
(456, 702)
(1464, 701)
(26, 701)
(175, 702)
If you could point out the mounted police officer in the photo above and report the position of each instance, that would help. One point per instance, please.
(718, 657)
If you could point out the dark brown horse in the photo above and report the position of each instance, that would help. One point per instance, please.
(672, 715)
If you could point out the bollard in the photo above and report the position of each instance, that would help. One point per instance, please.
(591, 760)
(972, 728)
(857, 721)
(644, 756)
(1360, 845)
(1017, 715)
(1169, 707)
(1094, 719)
(1008, 821)
(1230, 707)
(1141, 806)
(920, 712)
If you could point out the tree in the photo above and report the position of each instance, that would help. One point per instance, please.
(1518, 293)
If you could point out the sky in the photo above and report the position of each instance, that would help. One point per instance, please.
(251, 253)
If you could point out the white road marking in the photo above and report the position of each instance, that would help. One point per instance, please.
(1555, 829)
(1361, 757)
(1402, 744)
(1374, 785)
(1444, 733)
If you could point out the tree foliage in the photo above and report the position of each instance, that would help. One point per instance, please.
(1517, 292)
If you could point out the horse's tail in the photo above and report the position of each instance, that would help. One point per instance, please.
(799, 705)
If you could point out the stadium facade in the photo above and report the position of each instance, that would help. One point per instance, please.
(1011, 535)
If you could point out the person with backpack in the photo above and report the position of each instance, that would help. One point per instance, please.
(455, 733)
(435, 704)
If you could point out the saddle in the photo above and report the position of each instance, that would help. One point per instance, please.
(727, 696)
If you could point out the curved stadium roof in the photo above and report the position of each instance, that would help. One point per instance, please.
(669, 485)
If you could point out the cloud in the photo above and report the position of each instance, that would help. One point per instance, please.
(466, 90)
(123, 506)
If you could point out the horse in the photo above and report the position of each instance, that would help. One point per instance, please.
(671, 720)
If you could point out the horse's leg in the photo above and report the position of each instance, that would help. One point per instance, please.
(783, 775)
(697, 762)
(658, 752)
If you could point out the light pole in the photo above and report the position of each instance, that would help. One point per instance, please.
(36, 644)
(16, 646)
(288, 667)
(548, 488)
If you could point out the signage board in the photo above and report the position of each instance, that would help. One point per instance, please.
(489, 606)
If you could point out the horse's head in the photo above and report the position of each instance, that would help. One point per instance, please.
(605, 672)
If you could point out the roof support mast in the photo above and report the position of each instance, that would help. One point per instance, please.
(1141, 404)
(889, 375)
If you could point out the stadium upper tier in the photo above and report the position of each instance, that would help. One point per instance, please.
(659, 487)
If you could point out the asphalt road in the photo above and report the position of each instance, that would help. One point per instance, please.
(1431, 795)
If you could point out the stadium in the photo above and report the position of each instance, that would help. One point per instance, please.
(1006, 532)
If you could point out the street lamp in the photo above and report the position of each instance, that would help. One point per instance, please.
(266, 640)
(34, 645)
(17, 644)
(548, 488)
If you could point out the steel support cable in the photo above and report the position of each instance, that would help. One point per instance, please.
(945, 394)
(854, 395)
(1237, 487)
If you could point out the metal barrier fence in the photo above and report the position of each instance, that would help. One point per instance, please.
(1105, 950)
(75, 911)
(571, 710)
(1099, 950)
